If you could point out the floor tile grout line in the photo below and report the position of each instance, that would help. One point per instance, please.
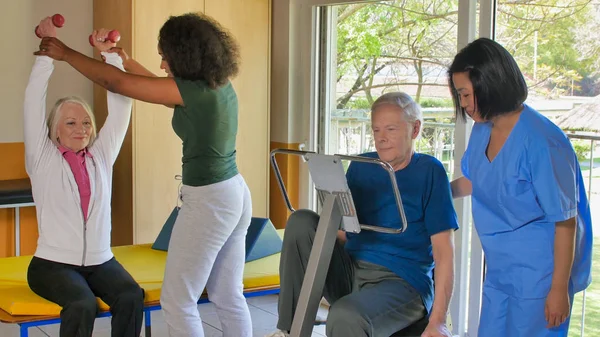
(265, 310)
(253, 306)
(44, 332)
(212, 326)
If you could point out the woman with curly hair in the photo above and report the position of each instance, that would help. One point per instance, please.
(207, 245)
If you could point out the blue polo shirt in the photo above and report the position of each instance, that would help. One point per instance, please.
(427, 201)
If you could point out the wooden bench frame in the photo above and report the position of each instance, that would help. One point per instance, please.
(26, 322)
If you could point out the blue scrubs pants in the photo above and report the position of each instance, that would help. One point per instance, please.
(507, 316)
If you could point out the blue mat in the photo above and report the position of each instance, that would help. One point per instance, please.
(261, 240)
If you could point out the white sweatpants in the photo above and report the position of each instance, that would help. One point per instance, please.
(207, 248)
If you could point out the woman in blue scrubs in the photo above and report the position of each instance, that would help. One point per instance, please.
(530, 207)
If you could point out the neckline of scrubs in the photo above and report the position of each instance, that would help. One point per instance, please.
(488, 136)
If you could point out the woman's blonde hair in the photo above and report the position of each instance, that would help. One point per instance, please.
(54, 117)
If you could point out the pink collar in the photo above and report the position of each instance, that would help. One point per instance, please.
(81, 153)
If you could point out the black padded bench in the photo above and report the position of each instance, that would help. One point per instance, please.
(15, 194)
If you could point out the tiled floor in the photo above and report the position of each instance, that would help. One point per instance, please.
(263, 310)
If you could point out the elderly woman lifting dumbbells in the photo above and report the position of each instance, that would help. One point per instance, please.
(70, 167)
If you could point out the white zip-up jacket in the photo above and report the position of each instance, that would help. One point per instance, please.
(64, 236)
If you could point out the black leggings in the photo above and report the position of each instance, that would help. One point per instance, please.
(75, 289)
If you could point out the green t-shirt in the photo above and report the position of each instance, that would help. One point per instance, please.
(207, 124)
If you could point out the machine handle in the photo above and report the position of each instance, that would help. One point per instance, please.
(386, 166)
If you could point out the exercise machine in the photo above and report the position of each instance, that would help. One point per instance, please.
(338, 212)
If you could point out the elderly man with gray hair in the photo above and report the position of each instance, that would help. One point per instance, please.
(379, 283)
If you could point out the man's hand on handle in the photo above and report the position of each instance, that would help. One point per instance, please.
(436, 330)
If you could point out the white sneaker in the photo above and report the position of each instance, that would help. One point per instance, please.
(278, 333)
(320, 320)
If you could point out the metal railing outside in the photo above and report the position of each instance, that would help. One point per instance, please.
(353, 136)
(593, 140)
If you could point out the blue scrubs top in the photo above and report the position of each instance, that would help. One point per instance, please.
(533, 182)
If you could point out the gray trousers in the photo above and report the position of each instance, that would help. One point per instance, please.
(366, 299)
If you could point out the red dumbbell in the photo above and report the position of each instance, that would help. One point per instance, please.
(113, 36)
(57, 20)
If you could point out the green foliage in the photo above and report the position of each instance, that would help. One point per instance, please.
(434, 102)
(592, 301)
(582, 149)
(395, 45)
(359, 103)
(359, 35)
(552, 26)
(394, 38)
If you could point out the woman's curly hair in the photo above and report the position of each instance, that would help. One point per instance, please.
(196, 47)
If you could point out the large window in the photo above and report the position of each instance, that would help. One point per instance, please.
(366, 49)
(369, 48)
(373, 48)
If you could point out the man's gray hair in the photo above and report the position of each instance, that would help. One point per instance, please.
(412, 109)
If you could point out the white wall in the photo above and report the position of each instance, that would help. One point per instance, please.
(18, 19)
